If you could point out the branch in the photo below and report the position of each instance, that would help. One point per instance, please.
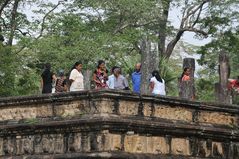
(119, 29)
(23, 33)
(195, 10)
(122, 27)
(172, 43)
(198, 16)
(42, 25)
(4, 23)
(191, 29)
(191, 11)
(17, 52)
(45, 17)
(3, 6)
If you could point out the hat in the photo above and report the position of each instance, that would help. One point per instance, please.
(61, 72)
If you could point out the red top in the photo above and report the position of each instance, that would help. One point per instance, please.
(233, 84)
(101, 77)
(186, 78)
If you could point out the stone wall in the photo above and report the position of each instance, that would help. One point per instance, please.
(116, 124)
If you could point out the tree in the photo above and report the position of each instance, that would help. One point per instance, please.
(100, 29)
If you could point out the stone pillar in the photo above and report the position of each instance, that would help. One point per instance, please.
(187, 88)
(87, 79)
(224, 73)
(149, 63)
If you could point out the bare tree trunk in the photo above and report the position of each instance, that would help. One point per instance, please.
(150, 62)
(13, 22)
(187, 88)
(217, 91)
(163, 27)
(224, 69)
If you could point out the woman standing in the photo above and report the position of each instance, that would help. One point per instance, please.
(61, 85)
(157, 84)
(76, 78)
(186, 74)
(47, 78)
(100, 75)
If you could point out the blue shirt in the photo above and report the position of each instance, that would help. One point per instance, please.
(136, 80)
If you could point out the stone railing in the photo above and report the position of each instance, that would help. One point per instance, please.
(116, 124)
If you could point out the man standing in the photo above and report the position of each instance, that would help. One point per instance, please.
(136, 78)
(117, 80)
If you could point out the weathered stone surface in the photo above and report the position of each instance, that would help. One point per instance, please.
(112, 142)
(204, 149)
(1, 146)
(108, 124)
(85, 142)
(147, 109)
(103, 105)
(135, 144)
(74, 142)
(128, 107)
(180, 146)
(175, 113)
(26, 112)
(217, 118)
(157, 145)
(75, 108)
(24, 145)
(217, 149)
(144, 144)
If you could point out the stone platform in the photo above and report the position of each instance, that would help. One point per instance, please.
(109, 124)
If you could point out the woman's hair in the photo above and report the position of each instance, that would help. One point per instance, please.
(76, 64)
(47, 69)
(47, 66)
(184, 70)
(155, 74)
(99, 63)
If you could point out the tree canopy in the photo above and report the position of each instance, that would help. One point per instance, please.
(62, 32)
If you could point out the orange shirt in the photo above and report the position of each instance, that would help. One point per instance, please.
(186, 78)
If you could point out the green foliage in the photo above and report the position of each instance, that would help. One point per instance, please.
(170, 70)
(228, 42)
(7, 71)
(90, 30)
(31, 121)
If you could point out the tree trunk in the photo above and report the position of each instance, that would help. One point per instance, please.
(187, 88)
(13, 22)
(149, 61)
(162, 32)
(224, 68)
(87, 79)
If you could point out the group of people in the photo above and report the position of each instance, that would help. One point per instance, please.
(101, 79)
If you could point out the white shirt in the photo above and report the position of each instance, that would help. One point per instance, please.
(159, 87)
(77, 77)
(110, 82)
